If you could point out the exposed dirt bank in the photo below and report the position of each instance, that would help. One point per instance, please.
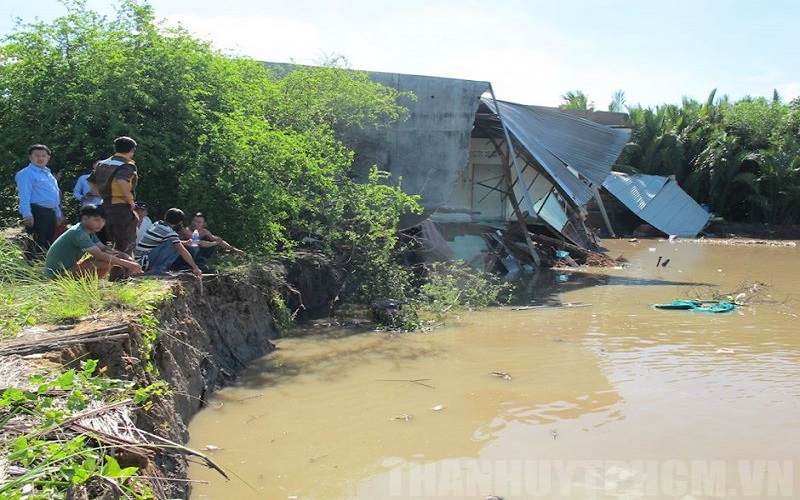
(737, 230)
(207, 333)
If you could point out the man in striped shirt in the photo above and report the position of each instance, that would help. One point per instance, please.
(160, 246)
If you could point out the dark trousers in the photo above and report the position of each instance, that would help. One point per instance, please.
(160, 258)
(200, 255)
(120, 228)
(41, 233)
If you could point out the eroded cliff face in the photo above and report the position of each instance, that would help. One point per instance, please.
(207, 334)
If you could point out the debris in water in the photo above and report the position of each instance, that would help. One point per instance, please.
(664, 264)
(551, 305)
(659, 261)
(418, 381)
(502, 375)
(404, 416)
(725, 350)
(438, 408)
(554, 433)
(211, 447)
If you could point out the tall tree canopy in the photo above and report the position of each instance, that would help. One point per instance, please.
(742, 158)
(262, 155)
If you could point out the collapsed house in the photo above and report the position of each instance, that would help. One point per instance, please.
(495, 178)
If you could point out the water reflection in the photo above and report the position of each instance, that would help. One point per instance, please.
(616, 380)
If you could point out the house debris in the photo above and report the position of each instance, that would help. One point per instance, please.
(657, 201)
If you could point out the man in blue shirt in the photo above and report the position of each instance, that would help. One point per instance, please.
(83, 192)
(39, 201)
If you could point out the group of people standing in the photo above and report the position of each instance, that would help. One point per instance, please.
(131, 243)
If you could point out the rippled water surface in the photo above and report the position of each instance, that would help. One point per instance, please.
(613, 399)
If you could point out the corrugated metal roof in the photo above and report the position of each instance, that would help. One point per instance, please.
(660, 202)
(558, 140)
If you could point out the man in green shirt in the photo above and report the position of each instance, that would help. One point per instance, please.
(64, 258)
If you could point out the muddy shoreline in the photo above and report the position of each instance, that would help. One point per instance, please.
(737, 230)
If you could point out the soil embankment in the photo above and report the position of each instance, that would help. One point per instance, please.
(206, 334)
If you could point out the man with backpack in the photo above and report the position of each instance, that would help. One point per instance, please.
(115, 179)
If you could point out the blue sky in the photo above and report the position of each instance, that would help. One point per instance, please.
(532, 51)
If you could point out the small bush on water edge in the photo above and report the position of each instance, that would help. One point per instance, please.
(430, 294)
(454, 285)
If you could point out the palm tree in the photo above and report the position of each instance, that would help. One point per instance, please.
(656, 146)
(618, 104)
(576, 100)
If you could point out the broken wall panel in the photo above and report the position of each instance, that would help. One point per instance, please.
(659, 201)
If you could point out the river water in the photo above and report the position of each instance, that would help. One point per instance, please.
(608, 398)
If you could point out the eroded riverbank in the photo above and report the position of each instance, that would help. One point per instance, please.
(603, 391)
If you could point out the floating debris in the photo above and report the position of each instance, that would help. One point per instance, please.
(502, 375)
(405, 416)
(725, 350)
(706, 306)
(418, 381)
(438, 408)
(211, 447)
(554, 433)
(551, 305)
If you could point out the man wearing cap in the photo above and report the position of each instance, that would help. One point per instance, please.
(142, 209)
(39, 201)
(115, 180)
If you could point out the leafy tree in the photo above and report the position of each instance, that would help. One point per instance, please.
(656, 147)
(756, 122)
(261, 154)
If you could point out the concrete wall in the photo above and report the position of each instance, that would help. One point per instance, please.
(430, 149)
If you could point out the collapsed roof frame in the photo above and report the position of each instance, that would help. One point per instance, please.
(558, 209)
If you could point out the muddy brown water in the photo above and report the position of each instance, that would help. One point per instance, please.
(611, 400)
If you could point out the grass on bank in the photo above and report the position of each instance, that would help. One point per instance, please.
(27, 298)
(60, 433)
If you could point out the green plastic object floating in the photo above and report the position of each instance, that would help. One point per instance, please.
(706, 306)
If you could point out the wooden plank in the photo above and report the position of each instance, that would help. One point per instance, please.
(111, 332)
